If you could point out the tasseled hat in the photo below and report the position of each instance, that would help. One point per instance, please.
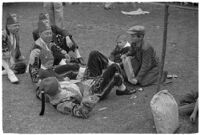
(43, 16)
(11, 19)
(42, 26)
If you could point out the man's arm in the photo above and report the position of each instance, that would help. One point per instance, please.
(146, 63)
(194, 113)
(62, 32)
(81, 110)
(59, 52)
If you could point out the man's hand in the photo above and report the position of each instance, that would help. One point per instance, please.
(69, 41)
(134, 81)
(193, 117)
(123, 56)
(67, 58)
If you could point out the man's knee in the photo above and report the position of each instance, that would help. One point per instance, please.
(115, 67)
(94, 53)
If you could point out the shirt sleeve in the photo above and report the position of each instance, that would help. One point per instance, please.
(77, 110)
(146, 63)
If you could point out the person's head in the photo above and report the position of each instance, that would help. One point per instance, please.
(44, 17)
(137, 34)
(121, 40)
(45, 31)
(50, 86)
(12, 24)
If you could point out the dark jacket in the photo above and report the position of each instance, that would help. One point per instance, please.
(145, 64)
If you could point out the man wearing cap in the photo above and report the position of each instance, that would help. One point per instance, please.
(43, 54)
(13, 62)
(62, 38)
(144, 60)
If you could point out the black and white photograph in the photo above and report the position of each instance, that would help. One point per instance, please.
(109, 67)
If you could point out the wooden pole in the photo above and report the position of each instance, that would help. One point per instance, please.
(163, 48)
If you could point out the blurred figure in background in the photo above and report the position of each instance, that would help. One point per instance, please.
(55, 11)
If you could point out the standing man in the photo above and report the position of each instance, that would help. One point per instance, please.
(55, 11)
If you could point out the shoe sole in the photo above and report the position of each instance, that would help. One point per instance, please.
(15, 82)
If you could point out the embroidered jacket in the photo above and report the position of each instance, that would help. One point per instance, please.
(72, 100)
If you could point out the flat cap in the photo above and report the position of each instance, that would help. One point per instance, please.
(137, 29)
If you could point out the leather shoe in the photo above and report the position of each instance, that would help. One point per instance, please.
(125, 92)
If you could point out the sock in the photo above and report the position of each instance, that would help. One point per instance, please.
(77, 53)
(122, 87)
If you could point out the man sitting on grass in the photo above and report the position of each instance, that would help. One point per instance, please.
(143, 59)
(61, 38)
(13, 61)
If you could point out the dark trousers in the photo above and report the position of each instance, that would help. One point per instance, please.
(68, 70)
(104, 84)
(97, 62)
(104, 81)
(61, 42)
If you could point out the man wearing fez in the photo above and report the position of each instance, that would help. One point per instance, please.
(43, 54)
(62, 38)
(13, 61)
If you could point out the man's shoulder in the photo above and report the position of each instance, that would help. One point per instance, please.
(147, 46)
(36, 45)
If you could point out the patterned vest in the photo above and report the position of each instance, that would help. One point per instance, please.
(46, 55)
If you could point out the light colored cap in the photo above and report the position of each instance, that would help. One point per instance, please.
(137, 29)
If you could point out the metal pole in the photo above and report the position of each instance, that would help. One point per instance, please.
(163, 48)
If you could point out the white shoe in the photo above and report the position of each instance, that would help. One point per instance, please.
(4, 72)
(12, 77)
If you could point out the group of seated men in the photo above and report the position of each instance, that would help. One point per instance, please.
(65, 81)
